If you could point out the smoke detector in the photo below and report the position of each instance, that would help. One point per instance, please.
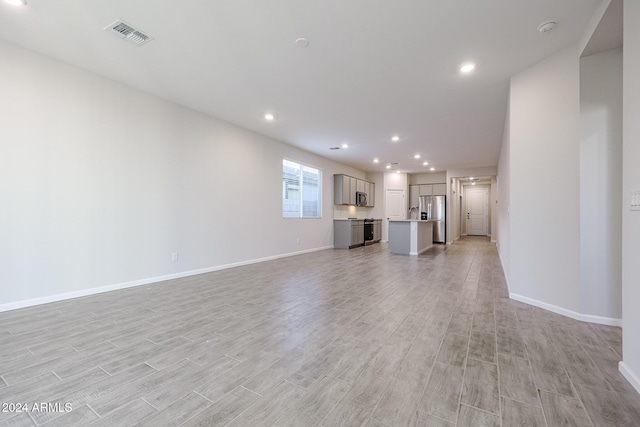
(128, 33)
(545, 27)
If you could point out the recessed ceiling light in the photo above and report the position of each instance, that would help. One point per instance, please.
(471, 178)
(302, 42)
(376, 160)
(417, 156)
(473, 183)
(398, 171)
(425, 163)
(345, 145)
(16, 2)
(269, 117)
(545, 27)
(388, 166)
(467, 68)
(432, 169)
(395, 138)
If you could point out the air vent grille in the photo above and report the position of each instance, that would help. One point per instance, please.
(128, 33)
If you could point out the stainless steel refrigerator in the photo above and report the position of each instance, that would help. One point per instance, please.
(434, 208)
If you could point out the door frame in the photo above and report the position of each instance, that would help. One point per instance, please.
(486, 193)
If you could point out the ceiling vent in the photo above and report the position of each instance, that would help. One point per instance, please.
(126, 32)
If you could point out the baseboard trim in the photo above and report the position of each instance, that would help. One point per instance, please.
(633, 379)
(504, 270)
(610, 321)
(114, 287)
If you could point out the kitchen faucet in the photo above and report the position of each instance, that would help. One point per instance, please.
(411, 210)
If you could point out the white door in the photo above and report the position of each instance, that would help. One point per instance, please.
(477, 211)
(395, 209)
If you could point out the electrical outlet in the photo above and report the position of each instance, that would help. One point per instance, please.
(174, 257)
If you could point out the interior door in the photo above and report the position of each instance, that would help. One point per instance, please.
(477, 211)
(395, 209)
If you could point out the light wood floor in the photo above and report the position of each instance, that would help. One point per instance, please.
(337, 337)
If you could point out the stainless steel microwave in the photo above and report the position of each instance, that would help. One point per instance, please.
(361, 198)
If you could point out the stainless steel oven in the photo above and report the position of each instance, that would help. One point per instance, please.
(368, 231)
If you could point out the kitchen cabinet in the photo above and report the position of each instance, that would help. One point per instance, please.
(349, 233)
(426, 189)
(415, 191)
(345, 188)
(439, 189)
(357, 233)
(377, 230)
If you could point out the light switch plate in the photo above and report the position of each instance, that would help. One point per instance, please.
(635, 200)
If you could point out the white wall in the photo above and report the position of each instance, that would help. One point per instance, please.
(544, 182)
(100, 183)
(493, 208)
(455, 191)
(631, 181)
(427, 178)
(600, 184)
(504, 197)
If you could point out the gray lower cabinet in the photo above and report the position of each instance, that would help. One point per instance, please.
(357, 233)
(348, 233)
(377, 230)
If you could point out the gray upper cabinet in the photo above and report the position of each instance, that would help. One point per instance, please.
(352, 192)
(341, 189)
(345, 188)
(371, 195)
(439, 189)
(426, 189)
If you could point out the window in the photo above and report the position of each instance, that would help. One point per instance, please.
(301, 190)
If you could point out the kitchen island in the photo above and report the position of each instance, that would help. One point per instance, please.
(410, 237)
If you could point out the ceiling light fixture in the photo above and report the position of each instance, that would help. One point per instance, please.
(16, 2)
(269, 117)
(432, 169)
(376, 160)
(398, 171)
(388, 166)
(467, 68)
(473, 183)
(395, 138)
(545, 27)
(345, 145)
(425, 163)
(417, 156)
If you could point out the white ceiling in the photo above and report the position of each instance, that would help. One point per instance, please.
(374, 68)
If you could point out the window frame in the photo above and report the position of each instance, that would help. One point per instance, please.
(301, 189)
